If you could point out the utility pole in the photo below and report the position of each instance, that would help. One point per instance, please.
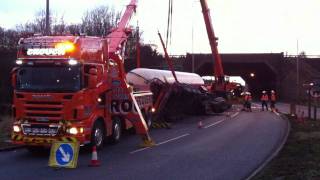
(298, 73)
(192, 39)
(47, 19)
(192, 42)
(138, 56)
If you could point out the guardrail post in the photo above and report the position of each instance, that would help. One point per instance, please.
(315, 109)
(309, 103)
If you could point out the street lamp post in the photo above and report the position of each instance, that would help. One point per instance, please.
(47, 19)
(309, 100)
(192, 39)
(309, 86)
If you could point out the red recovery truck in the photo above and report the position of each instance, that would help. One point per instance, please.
(73, 88)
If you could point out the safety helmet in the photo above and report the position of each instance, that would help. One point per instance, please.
(272, 91)
(264, 92)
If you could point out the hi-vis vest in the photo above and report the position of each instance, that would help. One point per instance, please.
(273, 97)
(248, 98)
(264, 97)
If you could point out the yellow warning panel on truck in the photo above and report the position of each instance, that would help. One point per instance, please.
(64, 154)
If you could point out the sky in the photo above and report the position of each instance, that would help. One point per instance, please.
(242, 26)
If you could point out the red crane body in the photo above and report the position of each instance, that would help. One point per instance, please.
(218, 69)
(120, 34)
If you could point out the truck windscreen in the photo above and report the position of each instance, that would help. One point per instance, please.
(49, 79)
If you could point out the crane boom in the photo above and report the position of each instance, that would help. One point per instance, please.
(120, 34)
(169, 61)
(218, 69)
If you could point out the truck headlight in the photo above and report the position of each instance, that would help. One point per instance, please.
(19, 62)
(73, 130)
(72, 62)
(16, 129)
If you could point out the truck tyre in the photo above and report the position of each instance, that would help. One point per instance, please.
(98, 135)
(116, 130)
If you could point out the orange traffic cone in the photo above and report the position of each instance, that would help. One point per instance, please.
(200, 125)
(94, 158)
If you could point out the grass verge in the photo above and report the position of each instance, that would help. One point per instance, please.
(300, 156)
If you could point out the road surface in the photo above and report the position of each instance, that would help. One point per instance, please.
(227, 147)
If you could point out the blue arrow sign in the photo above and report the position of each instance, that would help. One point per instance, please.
(64, 154)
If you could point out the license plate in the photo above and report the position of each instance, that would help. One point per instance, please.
(40, 130)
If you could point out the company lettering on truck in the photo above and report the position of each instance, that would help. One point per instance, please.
(59, 50)
(45, 52)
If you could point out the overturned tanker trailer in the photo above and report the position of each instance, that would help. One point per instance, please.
(188, 96)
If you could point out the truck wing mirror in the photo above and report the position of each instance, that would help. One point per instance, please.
(14, 78)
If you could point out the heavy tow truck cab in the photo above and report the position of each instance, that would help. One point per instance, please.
(66, 88)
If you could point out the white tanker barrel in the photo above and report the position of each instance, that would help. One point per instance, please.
(185, 97)
(142, 76)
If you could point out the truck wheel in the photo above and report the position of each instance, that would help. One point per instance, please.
(116, 130)
(98, 135)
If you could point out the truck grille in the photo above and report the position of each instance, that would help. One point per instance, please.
(43, 111)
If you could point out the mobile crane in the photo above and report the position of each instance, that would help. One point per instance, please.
(220, 86)
(74, 88)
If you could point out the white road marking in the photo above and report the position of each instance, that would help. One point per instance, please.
(213, 124)
(176, 138)
(163, 142)
(277, 113)
(138, 150)
(184, 135)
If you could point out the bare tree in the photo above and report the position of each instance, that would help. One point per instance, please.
(59, 27)
(74, 29)
(39, 23)
(99, 21)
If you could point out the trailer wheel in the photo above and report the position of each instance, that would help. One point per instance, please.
(98, 135)
(116, 130)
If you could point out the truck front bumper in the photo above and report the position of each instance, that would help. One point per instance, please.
(22, 139)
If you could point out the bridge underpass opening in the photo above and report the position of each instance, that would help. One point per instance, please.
(263, 77)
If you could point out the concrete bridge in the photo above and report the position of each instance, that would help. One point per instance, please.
(273, 71)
